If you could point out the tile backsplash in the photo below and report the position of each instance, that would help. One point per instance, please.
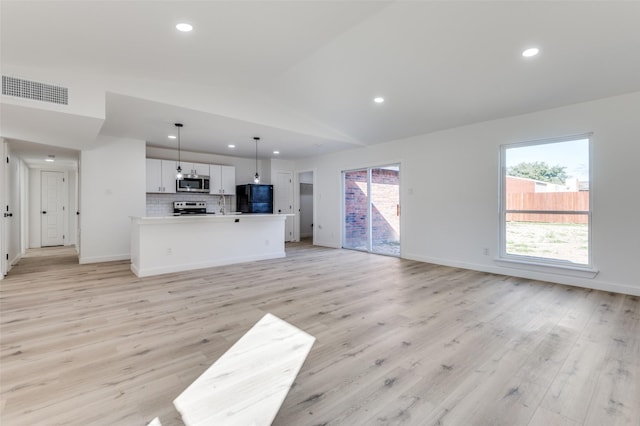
(162, 204)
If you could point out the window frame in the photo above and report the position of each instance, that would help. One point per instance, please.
(542, 263)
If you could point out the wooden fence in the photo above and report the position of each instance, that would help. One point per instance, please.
(556, 201)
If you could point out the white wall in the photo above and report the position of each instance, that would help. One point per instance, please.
(113, 189)
(306, 177)
(449, 189)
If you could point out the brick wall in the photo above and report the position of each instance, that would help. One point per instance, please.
(385, 191)
(356, 208)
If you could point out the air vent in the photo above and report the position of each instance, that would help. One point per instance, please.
(34, 90)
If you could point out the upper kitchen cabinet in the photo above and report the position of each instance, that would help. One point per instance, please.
(195, 169)
(222, 180)
(161, 176)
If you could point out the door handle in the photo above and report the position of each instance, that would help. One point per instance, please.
(44, 212)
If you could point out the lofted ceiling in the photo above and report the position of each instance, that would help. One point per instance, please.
(302, 75)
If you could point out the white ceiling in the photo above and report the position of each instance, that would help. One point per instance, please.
(302, 75)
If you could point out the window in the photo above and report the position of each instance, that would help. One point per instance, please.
(545, 210)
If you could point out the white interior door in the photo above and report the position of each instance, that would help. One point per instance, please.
(52, 205)
(283, 200)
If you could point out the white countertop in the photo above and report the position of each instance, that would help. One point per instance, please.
(209, 217)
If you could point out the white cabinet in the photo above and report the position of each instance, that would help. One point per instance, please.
(195, 169)
(228, 179)
(161, 176)
(223, 180)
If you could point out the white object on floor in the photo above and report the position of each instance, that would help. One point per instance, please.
(248, 383)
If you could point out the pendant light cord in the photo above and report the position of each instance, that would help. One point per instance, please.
(179, 168)
(179, 126)
(256, 178)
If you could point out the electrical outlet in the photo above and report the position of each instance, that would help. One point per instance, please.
(485, 251)
(169, 251)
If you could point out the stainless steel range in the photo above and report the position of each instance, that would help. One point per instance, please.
(182, 208)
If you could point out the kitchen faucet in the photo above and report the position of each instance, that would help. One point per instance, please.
(221, 199)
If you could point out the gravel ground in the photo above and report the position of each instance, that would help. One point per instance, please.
(390, 248)
(549, 240)
(563, 241)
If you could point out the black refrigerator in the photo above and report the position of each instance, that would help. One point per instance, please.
(254, 198)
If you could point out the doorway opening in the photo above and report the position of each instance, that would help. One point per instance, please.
(371, 206)
(305, 207)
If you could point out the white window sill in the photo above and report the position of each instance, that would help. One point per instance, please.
(549, 268)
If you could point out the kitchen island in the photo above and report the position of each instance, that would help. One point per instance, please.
(161, 245)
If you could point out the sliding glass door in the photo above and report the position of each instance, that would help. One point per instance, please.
(372, 209)
(356, 210)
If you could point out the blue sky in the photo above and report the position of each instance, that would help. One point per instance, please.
(574, 155)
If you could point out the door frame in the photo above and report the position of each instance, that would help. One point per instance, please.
(292, 198)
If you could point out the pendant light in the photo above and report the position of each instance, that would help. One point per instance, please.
(179, 169)
(256, 178)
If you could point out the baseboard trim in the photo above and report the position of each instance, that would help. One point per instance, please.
(100, 259)
(593, 284)
(15, 260)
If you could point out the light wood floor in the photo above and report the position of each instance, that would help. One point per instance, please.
(398, 342)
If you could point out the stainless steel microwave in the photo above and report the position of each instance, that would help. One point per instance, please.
(193, 183)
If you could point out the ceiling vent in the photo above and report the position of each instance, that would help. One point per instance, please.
(34, 90)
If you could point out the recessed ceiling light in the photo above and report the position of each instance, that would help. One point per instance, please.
(378, 100)
(231, 146)
(50, 158)
(171, 136)
(276, 152)
(533, 51)
(184, 27)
